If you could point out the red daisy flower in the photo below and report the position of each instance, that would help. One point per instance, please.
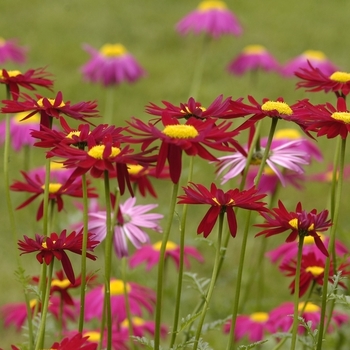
(325, 119)
(28, 80)
(35, 183)
(192, 108)
(51, 108)
(268, 108)
(77, 342)
(221, 202)
(312, 271)
(314, 80)
(300, 222)
(190, 137)
(54, 246)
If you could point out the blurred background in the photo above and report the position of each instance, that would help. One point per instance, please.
(54, 32)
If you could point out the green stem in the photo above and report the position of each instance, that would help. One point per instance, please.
(331, 246)
(181, 262)
(212, 283)
(296, 293)
(161, 266)
(45, 307)
(83, 254)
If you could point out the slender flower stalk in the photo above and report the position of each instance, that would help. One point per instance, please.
(296, 293)
(212, 282)
(331, 246)
(157, 331)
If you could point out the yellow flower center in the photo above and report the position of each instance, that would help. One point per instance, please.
(97, 152)
(180, 131)
(93, 336)
(280, 107)
(44, 245)
(169, 246)
(113, 50)
(310, 307)
(268, 171)
(310, 239)
(70, 135)
(315, 270)
(340, 77)
(294, 223)
(32, 303)
(187, 111)
(2, 41)
(291, 134)
(11, 73)
(117, 287)
(134, 169)
(315, 55)
(311, 227)
(60, 284)
(211, 5)
(35, 118)
(51, 101)
(259, 316)
(254, 49)
(136, 321)
(53, 187)
(342, 116)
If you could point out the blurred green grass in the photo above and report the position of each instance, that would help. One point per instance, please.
(54, 33)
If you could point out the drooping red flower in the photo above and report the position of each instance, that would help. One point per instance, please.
(299, 222)
(192, 108)
(51, 108)
(221, 202)
(55, 246)
(35, 183)
(175, 138)
(311, 271)
(325, 119)
(313, 79)
(28, 80)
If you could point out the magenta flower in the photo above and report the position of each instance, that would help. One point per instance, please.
(11, 51)
(20, 130)
(253, 326)
(140, 298)
(316, 58)
(150, 255)
(112, 65)
(141, 327)
(212, 18)
(130, 224)
(253, 57)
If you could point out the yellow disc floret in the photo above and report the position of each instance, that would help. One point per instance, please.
(93, 336)
(169, 246)
(117, 287)
(280, 107)
(254, 49)
(315, 55)
(342, 116)
(60, 283)
(18, 118)
(340, 77)
(310, 307)
(291, 134)
(97, 152)
(259, 317)
(134, 169)
(11, 73)
(53, 187)
(113, 50)
(211, 5)
(315, 270)
(180, 131)
(294, 223)
(51, 101)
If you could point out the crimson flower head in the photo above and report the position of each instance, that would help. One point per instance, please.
(325, 119)
(175, 138)
(192, 108)
(313, 79)
(35, 184)
(221, 202)
(31, 79)
(51, 108)
(76, 342)
(300, 222)
(55, 246)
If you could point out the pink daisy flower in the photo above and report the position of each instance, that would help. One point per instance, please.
(150, 255)
(212, 18)
(288, 154)
(253, 57)
(111, 65)
(140, 298)
(141, 327)
(288, 251)
(316, 58)
(254, 326)
(11, 51)
(281, 318)
(130, 222)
